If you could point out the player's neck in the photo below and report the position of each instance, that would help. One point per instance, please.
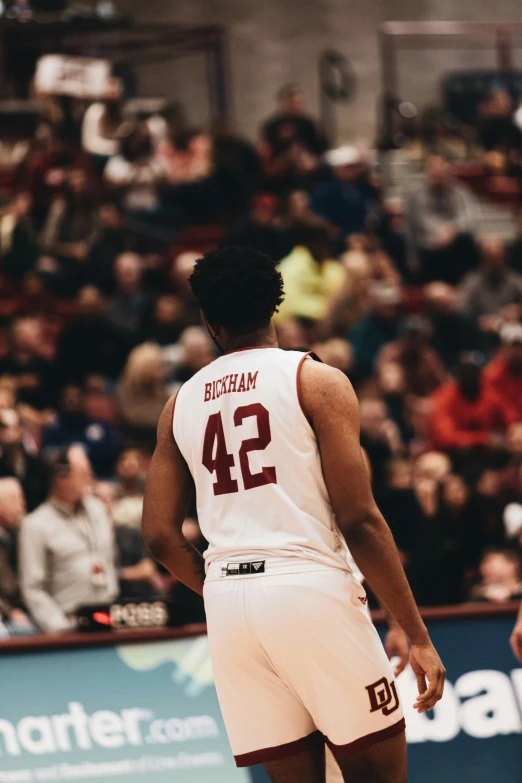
(260, 338)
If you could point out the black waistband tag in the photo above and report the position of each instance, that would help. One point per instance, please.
(240, 569)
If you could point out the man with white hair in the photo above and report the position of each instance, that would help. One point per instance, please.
(191, 353)
(12, 510)
(197, 347)
(67, 556)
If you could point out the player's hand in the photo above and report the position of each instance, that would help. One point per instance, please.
(427, 665)
(397, 646)
(516, 640)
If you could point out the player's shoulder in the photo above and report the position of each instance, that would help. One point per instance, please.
(323, 386)
(316, 373)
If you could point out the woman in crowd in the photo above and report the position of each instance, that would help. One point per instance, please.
(142, 394)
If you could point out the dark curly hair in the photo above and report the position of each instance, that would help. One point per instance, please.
(237, 288)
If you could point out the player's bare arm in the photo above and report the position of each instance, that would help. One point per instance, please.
(396, 642)
(331, 404)
(516, 636)
(168, 493)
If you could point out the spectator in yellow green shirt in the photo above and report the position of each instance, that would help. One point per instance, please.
(310, 277)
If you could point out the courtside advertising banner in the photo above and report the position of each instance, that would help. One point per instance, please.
(475, 732)
(148, 713)
(139, 713)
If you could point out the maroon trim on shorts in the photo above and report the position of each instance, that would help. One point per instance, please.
(343, 751)
(313, 356)
(279, 751)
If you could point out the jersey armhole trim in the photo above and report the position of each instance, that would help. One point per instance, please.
(313, 356)
(172, 419)
(172, 432)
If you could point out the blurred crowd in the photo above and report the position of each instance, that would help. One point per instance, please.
(98, 328)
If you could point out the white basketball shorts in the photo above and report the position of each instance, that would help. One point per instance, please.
(297, 660)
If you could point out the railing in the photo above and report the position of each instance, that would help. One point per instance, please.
(41, 643)
(162, 680)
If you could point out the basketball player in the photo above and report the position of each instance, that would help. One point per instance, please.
(269, 439)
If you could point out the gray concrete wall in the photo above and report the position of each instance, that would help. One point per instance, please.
(276, 41)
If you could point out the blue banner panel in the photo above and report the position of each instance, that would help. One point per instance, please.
(139, 713)
(474, 733)
(148, 713)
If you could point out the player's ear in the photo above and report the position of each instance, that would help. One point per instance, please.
(213, 332)
(205, 322)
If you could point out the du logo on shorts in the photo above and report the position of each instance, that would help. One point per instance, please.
(383, 696)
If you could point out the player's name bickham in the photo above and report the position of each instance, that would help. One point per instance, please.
(238, 382)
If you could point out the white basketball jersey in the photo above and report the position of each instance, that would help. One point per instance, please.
(255, 462)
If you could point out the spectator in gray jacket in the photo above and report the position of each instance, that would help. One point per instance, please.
(493, 293)
(67, 557)
(441, 219)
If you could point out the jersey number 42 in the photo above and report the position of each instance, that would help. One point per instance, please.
(217, 460)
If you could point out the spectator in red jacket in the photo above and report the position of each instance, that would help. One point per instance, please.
(504, 373)
(467, 411)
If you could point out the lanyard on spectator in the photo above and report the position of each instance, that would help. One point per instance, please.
(84, 530)
(82, 527)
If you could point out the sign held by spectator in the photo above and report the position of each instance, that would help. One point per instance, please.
(79, 77)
